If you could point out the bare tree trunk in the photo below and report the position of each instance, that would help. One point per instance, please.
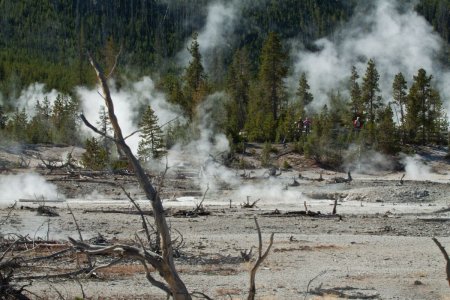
(168, 271)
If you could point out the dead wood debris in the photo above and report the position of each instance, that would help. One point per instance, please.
(48, 211)
(261, 257)
(346, 292)
(444, 252)
(248, 204)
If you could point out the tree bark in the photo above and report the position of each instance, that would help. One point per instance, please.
(167, 271)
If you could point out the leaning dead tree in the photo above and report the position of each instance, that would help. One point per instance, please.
(163, 262)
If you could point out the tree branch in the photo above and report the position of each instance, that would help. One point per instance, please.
(86, 122)
(444, 252)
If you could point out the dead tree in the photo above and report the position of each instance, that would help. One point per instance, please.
(163, 263)
(444, 252)
(259, 261)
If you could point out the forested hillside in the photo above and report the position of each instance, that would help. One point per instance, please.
(46, 41)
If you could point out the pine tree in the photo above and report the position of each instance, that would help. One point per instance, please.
(95, 157)
(106, 128)
(369, 91)
(238, 85)
(355, 94)
(268, 95)
(151, 144)
(65, 120)
(195, 79)
(387, 136)
(304, 95)
(423, 108)
(17, 126)
(399, 94)
(40, 129)
(272, 73)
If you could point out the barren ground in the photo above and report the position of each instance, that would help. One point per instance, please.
(379, 248)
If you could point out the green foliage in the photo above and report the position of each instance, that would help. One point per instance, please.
(399, 93)
(303, 92)
(265, 155)
(268, 97)
(238, 87)
(437, 12)
(370, 91)
(105, 127)
(388, 139)
(95, 157)
(196, 87)
(151, 144)
(17, 126)
(424, 109)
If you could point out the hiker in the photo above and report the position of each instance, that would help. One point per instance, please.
(307, 125)
(357, 124)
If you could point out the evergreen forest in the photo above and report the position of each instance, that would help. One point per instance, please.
(46, 41)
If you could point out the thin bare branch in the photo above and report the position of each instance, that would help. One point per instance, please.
(141, 213)
(86, 122)
(444, 252)
(113, 68)
(259, 261)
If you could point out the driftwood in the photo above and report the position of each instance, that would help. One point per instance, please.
(164, 263)
(444, 252)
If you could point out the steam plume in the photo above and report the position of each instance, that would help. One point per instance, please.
(28, 186)
(391, 33)
(128, 102)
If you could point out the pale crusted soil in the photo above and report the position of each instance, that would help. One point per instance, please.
(380, 248)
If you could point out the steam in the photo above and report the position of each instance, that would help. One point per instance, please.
(129, 103)
(217, 32)
(32, 94)
(26, 186)
(415, 168)
(208, 149)
(391, 33)
(363, 161)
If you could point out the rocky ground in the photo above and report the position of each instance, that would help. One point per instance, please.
(377, 246)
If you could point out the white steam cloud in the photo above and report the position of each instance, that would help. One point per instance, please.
(32, 94)
(393, 34)
(26, 186)
(217, 32)
(415, 168)
(129, 102)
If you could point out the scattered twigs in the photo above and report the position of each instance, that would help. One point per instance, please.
(444, 252)
(199, 207)
(311, 281)
(10, 210)
(79, 232)
(201, 295)
(248, 204)
(141, 213)
(259, 261)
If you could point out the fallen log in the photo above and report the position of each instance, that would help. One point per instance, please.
(117, 211)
